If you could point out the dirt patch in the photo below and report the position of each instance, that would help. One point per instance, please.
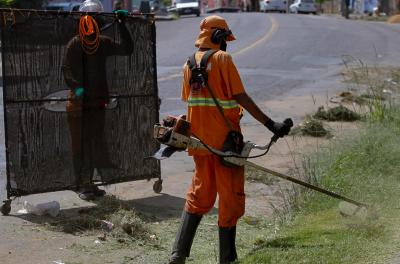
(394, 19)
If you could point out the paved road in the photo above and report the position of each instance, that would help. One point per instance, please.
(277, 54)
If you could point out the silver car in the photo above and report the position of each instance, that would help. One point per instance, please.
(303, 6)
(273, 5)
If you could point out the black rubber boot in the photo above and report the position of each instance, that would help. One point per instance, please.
(184, 237)
(227, 247)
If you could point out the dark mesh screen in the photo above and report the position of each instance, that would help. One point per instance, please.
(106, 136)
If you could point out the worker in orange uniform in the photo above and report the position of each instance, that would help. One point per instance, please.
(84, 69)
(211, 177)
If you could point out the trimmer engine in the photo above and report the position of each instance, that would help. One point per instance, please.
(173, 132)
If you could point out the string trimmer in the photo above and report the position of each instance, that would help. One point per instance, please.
(176, 135)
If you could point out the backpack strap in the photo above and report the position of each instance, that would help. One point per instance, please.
(206, 56)
(191, 62)
(203, 65)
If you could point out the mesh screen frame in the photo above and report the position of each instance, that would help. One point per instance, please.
(38, 140)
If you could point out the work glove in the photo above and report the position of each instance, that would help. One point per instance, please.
(279, 129)
(121, 15)
(79, 91)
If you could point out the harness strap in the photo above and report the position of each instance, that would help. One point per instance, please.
(203, 67)
(206, 56)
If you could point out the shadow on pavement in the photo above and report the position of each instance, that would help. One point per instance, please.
(90, 218)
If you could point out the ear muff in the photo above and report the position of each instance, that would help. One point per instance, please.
(219, 35)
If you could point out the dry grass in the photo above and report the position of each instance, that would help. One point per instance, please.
(338, 113)
(376, 79)
(254, 175)
(124, 221)
(349, 97)
(310, 127)
(394, 19)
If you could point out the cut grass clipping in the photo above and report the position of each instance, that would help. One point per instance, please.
(310, 127)
(349, 97)
(110, 215)
(338, 113)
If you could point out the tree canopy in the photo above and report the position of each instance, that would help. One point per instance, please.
(25, 4)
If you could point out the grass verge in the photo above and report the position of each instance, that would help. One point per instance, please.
(364, 168)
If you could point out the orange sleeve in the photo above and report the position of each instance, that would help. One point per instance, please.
(185, 83)
(231, 76)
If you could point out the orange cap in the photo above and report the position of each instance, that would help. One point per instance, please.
(207, 27)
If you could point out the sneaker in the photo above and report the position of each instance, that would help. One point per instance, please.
(86, 195)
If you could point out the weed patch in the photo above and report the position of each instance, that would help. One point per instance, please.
(338, 113)
(310, 127)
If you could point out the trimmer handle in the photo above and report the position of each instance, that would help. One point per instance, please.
(289, 123)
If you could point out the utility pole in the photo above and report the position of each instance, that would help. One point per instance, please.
(345, 8)
(287, 6)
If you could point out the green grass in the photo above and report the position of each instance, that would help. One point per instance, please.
(365, 168)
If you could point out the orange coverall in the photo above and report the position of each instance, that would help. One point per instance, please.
(211, 177)
(86, 117)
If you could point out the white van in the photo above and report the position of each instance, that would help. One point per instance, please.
(185, 7)
(273, 5)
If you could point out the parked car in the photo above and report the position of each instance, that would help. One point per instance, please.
(273, 5)
(63, 6)
(185, 7)
(157, 7)
(303, 6)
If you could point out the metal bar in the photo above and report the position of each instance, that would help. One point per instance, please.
(61, 12)
(305, 184)
(123, 96)
(157, 101)
(8, 187)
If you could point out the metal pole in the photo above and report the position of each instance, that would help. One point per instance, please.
(5, 117)
(305, 184)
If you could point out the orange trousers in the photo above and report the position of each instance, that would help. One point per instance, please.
(212, 178)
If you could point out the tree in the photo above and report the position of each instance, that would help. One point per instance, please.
(6, 3)
(24, 4)
(320, 2)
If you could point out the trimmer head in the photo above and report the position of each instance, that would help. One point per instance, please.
(361, 212)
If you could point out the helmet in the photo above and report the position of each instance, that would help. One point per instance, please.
(91, 6)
